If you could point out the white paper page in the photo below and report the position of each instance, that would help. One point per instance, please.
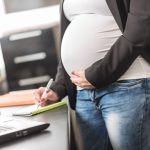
(26, 111)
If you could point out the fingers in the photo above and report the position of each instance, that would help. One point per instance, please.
(82, 83)
(38, 93)
(48, 98)
(39, 97)
(78, 78)
(76, 73)
(52, 96)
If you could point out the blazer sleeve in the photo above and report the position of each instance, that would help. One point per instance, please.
(59, 85)
(124, 51)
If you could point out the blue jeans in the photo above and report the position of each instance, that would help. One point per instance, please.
(119, 113)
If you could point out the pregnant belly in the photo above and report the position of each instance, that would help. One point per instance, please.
(86, 40)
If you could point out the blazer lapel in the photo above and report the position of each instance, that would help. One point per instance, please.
(61, 5)
(113, 6)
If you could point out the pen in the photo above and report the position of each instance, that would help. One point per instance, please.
(46, 90)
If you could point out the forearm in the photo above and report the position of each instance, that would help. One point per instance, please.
(110, 68)
(59, 84)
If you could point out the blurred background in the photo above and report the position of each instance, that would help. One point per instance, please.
(29, 43)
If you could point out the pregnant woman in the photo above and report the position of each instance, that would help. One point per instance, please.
(103, 74)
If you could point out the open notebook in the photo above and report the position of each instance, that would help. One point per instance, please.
(34, 109)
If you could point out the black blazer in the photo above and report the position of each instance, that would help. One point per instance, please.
(133, 19)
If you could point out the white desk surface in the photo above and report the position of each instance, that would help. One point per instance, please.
(29, 20)
(54, 138)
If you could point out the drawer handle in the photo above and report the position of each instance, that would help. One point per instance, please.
(33, 80)
(25, 35)
(29, 58)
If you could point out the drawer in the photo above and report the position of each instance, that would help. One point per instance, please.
(26, 70)
(29, 83)
(28, 42)
(29, 56)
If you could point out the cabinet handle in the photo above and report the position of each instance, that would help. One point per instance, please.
(33, 80)
(25, 35)
(29, 58)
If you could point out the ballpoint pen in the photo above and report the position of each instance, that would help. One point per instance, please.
(46, 90)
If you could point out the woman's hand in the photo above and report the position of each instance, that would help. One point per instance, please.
(79, 79)
(50, 97)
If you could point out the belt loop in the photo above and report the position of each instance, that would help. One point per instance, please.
(92, 95)
(94, 100)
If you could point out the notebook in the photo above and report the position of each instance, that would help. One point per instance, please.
(17, 98)
(14, 128)
(34, 109)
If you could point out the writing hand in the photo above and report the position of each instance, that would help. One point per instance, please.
(50, 97)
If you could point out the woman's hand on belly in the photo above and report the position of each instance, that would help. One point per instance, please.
(79, 79)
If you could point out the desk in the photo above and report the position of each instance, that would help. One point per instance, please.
(54, 138)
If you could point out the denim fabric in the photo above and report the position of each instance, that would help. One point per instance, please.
(120, 111)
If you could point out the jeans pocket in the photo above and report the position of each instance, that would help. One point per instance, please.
(126, 84)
